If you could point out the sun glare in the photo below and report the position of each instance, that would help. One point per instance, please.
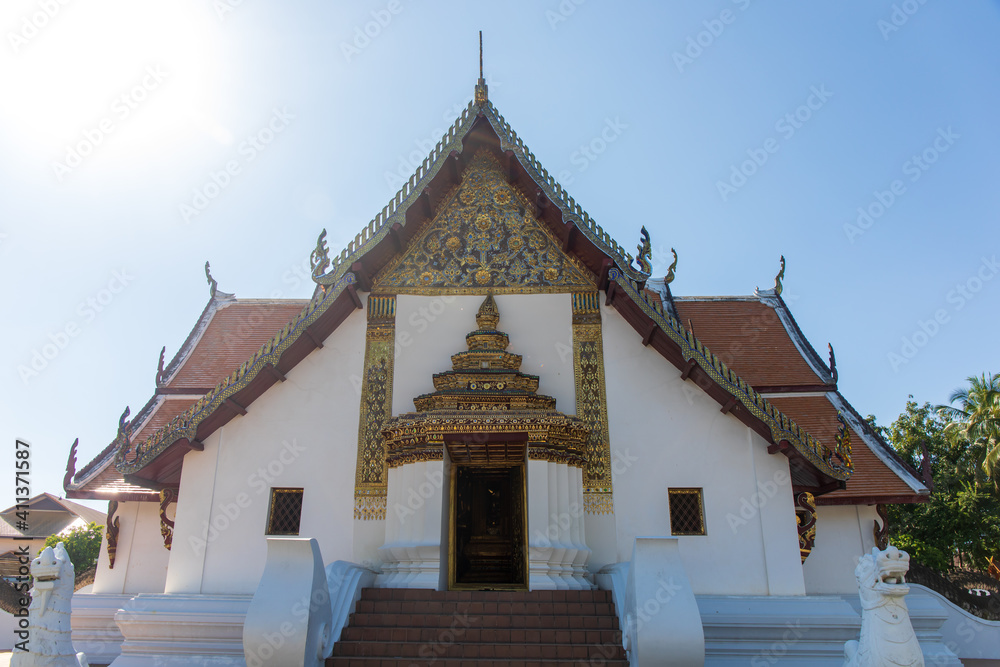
(131, 76)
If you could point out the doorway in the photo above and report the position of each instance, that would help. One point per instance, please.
(488, 527)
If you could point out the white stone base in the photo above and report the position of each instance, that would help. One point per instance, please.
(94, 629)
(777, 630)
(181, 630)
(410, 565)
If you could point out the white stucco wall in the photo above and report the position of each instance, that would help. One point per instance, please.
(843, 535)
(302, 433)
(666, 432)
(431, 329)
(140, 559)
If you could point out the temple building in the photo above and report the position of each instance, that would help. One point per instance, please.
(488, 396)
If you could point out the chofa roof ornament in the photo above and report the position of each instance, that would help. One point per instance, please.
(669, 278)
(645, 252)
(778, 287)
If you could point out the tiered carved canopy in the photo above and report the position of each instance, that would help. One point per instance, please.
(485, 410)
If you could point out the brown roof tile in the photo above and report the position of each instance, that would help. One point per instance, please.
(750, 339)
(872, 478)
(236, 331)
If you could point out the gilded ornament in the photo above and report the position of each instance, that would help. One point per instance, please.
(376, 408)
(645, 252)
(483, 237)
(591, 401)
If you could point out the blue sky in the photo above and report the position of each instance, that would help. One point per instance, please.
(734, 131)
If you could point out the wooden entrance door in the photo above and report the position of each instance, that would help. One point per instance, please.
(488, 527)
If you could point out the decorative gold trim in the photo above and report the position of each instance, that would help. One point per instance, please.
(114, 527)
(484, 238)
(805, 520)
(834, 462)
(592, 402)
(370, 481)
(167, 496)
(701, 510)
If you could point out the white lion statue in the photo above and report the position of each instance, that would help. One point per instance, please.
(49, 637)
(887, 638)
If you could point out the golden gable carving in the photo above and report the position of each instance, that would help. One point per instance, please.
(484, 238)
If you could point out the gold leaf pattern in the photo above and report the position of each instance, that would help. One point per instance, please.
(376, 408)
(485, 237)
(591, 401)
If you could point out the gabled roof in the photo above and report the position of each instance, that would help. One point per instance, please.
(225, 334)
(158, 457)
(49, 514)
(767, 348)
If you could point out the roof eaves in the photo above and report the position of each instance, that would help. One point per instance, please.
(782, 427)
(394, 212)
(878, 445)
(100, 462)
(131, 457)
(799, 339)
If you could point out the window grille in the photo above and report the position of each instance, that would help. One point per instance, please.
(285, 513)
(687, 512)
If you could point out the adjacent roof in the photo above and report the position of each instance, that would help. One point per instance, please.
(758, 336)
(48, 514)
(226, 333)
(158, 458)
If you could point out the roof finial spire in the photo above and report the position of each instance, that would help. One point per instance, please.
(482, 94)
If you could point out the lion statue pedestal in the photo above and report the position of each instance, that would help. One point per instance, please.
(49, 636)
(887, 637)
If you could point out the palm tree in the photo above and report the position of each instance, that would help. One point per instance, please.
(976, 419)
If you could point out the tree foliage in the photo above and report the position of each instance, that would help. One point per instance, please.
(83, 545)
(962, 518)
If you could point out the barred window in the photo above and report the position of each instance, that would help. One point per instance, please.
(285, 513)
(687, 512)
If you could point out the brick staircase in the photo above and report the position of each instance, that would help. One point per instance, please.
(396, 627)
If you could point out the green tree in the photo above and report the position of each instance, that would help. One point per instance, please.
(976, 420)
(961, 518)
(83, 544)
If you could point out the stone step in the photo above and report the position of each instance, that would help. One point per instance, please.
(344, 661)
(557, 621)
(474, 608)
(477, 634)
(417, 594)
(413, 627)
(468, 651)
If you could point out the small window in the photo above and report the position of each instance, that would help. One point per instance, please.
(285, 513)
(687, 512)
